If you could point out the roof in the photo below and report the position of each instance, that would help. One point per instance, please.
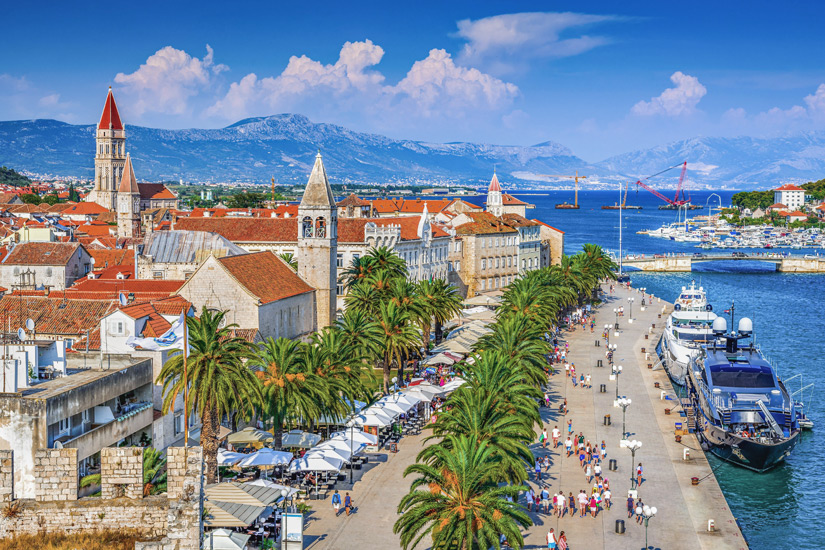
(111, 257)
(550, 226)
(409, 226)
(789, 187)
(510, 200)
(83, 208)
(777, 206)
(483, 223)
(796, 214)
(187, 246)
(42, 253)
(128, 183)
(111, 288)
(55, 314)
(265, 276)
(517, 220)
(494, 185)
(155, 191)
(246, 229)
(353, 200)
(318, 192)
(110, 119)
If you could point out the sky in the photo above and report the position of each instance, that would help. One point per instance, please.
(601, 78)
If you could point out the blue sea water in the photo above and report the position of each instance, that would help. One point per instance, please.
(783, 507)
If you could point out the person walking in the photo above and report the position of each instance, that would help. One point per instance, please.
(538, 469)
(569, 427)
(568, 446)
(336, 502)
(551, 539)
(531, 498)
(597, 471)
(588, 382)
(631, 507)
(543, 438)
(545, 499)
(606, 498)
(639, 474)
(562, 541)
(572, 503)
(594, 506)
(546, 462)
(588, 474)
(347, 503)
(582, 504)
(556, 433)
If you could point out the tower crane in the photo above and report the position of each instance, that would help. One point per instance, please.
(576, 178)
(677, 201)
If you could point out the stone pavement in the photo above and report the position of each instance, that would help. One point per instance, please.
(683, 509)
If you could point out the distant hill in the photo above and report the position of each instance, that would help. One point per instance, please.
(8, 176)
(283, 146)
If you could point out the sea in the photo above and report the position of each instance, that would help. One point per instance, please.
(782, 508)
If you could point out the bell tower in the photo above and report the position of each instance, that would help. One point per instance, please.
(494, 199)
(128, 203)
(318, 243)
(110, 154)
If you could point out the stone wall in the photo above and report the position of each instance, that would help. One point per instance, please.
(175, 518)
(121, 472)
(55, 475)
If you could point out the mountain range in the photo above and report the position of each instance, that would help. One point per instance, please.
(284, 146)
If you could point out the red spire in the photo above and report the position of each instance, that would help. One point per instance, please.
(128, 184)
(494, 186)
(110, 119)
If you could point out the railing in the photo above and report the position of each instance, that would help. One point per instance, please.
(133, 410)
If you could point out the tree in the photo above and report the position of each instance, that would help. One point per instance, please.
(290, 389)
(218, 380)
(457, 500)
(397, 336)
(154, 472)
(246, 199)
(74, 196)
(30, 198)
(290, 260)
(442, 302)
(51, 199)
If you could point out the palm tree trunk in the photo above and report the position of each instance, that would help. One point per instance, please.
(209, 442)
(439, 333)
(387, 366)
(278, 429)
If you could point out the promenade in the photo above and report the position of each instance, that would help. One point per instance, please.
(683, 509)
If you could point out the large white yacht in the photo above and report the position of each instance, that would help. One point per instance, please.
(687, 329)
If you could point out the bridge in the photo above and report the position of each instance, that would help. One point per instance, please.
(682, 263)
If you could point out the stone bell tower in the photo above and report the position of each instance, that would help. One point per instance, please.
(128, 203)
(110, 154)
(318, 243)
(494, 200)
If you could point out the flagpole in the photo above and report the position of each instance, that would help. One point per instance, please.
(185, 386)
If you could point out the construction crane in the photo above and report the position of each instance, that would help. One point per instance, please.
(576, 178)
(677, 201)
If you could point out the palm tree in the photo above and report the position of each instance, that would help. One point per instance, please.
(520, 340)
(381, 259)
(458, 502)
(361, 333)
(397, 336)
(217, 378)
(290, 260)
(338, 362)
(154, 472)
(291, 390)
(442, 301)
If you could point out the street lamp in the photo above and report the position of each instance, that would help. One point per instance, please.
(633, 446)
(624, 403)
(607, 332)
(617, 370)
(616, 311)
(644, 293)
(646, 512)
(630, 301)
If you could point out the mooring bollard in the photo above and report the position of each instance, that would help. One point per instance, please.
(620, 526)
(711, 526)
(607, 420)
(598, 343)
(645, 336)
(685, 454)
(694, 481)
(656, 385)
(643, 350)
(599, 362)
(667, 411)
(602, 388)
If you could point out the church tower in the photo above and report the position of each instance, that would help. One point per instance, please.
(494, 201)
(128, 203)
(110, 156)
(318, 243)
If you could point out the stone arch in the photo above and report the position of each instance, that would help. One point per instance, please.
(306, 227)
(320, 227)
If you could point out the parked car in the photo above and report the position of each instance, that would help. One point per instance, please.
(739, 255)
(699, 255)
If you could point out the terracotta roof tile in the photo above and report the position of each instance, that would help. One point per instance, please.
(42, 253)
(550, 226)
(240, 230)
(789, 187)
(155, 191)
(54, 314)
(510, 200)
(265, 276)
(83, 208)
(111, 288)
(353, 200)
(110, 119)
(108, 257)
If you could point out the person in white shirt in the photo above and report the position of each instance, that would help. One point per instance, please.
(556, 434)
(582, 504)
(551, 540)
(597, 470)
(569, 446)
(606, 497)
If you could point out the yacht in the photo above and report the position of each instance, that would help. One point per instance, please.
(685, 333)
(692, 299)
(741, 410)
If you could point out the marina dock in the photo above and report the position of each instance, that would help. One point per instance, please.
(684, 509)
(683, 263)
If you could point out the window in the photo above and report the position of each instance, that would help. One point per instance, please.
(157, 274)
(320, 227)
(509, 241)
(496, 282)
(356, 256)
(498, 262)
(457, 265)
(483, 263)
(306, 227)
(178, 423)
(482, 243)
(117, 328)
(186, 275)
(483, 284)
(63, 425)
(340, 290)
(496, 241)
(340, 260)
(84, 416)
(509, 261)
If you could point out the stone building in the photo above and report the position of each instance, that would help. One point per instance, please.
(88, 409)
(259, 291)
(110, 155)
(128, 203)
(177, 254)
(34, 265)
(790, 196)
(485, 255)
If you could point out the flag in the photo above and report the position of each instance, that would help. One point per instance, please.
(726, 311)
(169, 340)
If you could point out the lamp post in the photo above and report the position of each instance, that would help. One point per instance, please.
(644, 293)
(351, 465)
(630, 301)
(616, 311)
(646, 512)
(624, 403)
(633, 446)
(617, 370)
(607, 332)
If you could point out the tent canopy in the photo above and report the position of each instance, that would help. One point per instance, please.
(316, 464)
(228, 514)
(228, 458)
(439, 359)
(329, 452)
(302, 440)
(249, 434)
(224, 539)
(242, 493)
(483, 300)
(357, 436)
(265, 457)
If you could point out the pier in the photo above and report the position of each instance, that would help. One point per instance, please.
(784, 264)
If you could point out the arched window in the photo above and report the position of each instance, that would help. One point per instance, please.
(306, 227)
(320, 227)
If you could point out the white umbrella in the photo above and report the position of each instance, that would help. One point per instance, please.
(421, 396)
(370, 418)
(224, 539)
(391, 409)
(439, 359)
(404, 398)
(343, 443)
(358, 436)
(316, 464)
(266, 457)
(329, 452)
(228, 458)
(272, 485)
(250, 434)
(429, 389)
(297, 438)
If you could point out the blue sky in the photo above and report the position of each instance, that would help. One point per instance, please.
(599, 77)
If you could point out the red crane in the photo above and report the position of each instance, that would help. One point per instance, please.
(679, 191)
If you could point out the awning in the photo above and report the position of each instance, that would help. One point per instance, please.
(228, 514)
(358, 436)
(224, 539)
(439, 359)
(316, 464)
(228, 458)
(265, 457)
(249, 434)
(242, 493)
(299, 439)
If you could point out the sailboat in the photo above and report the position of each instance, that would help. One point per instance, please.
(624, 204)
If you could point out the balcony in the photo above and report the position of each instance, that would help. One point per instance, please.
(105, 435)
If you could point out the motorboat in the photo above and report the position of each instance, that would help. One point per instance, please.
(740, 409)
(685, 332)
(692, 299)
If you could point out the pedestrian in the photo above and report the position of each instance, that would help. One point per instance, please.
(347, 503)
(546, 462)
(588, 474)
(567, 370)
(606, 498)
(565, 405)
(639, 474)
(530, 497)
(588, 381)
(572, 504)
(556, 433)
(603, 450)
(581, 457)
(547, 399)
(545, 499)
(562, 541)
(336, 502)
(543, 438)
(597, 471)
(569, 427)
(538, 469)
(556, 505)
(640, 504)
(581, 381)
(551, 539)
(568, 445)
(594, 506)
(562, 501)
(582, 504)
(631, 506)
(588, 452)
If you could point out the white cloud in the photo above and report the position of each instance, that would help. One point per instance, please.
(168, 79)
(50, 100)
(816, 102)
(677, 101)
(434, 86)
(498, 39)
